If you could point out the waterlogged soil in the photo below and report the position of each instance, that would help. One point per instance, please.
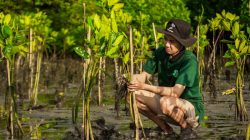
(52, 119)
(54, 122)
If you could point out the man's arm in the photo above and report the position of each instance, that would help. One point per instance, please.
(142, 77)
(175, 91)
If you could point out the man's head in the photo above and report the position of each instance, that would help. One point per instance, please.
(180, 30)
(177, 35)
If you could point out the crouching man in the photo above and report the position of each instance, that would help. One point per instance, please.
(176, 99)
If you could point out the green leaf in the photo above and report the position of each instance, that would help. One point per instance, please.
(237, 43)
(97, 21)
(226, 25)
(126, 58)
(230, 16)
(117, 7)
(244, 50)
(14, 50)
(7, 19)
(218, 15)
(118, 40)
(112, 51)
(27, 20)
(223, 13)
(233, 51)
(70, 40)
(114, 26)
(6, 30)
(7, 51)
(242, 45)
(90, 22)
(230, 46)
(229, 63)
(227, 54)
(112, 2)
(248, 30)
(236, 28)
(81, 52)
(39, 38)
(23, 49)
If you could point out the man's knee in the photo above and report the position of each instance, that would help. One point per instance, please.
(167, 104)
(128, 98)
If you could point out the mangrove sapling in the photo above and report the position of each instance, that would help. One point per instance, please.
(85, 92)
(10, 44)
(201, 43)
(39, 31)
(236, 54)
(211, 67)
(133, 104)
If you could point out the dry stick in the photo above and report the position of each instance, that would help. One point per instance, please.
(156, 41)
(85, 108)
(84, 82)
(198, 55)
(37, 78)
(31, 64)
(132, 96)
(156, 46)
(142, 47)
(99, 82)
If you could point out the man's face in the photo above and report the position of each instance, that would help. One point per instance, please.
(172, 46)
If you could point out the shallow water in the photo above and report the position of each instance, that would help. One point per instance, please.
(53, 121)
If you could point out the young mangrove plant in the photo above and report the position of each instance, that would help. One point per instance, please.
(11, 45)
(37, 26)
(238, 49)
(201, 43)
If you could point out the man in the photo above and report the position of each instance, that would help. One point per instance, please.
(177, 98)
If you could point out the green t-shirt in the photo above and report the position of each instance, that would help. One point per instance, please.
(181, 70)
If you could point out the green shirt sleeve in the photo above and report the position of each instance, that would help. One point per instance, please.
(188, 72)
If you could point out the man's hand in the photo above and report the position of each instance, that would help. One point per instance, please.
(134, 86)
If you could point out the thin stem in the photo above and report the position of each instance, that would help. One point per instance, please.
(156, 41)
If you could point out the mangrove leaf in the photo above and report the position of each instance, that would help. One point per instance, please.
(118, 40)
(81, 52)
(117, 7)
(229, 63)
(236, 28)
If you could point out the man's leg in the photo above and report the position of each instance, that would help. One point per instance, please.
(180, 111)
(152, 116)
(177, 109)
(149, 105)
